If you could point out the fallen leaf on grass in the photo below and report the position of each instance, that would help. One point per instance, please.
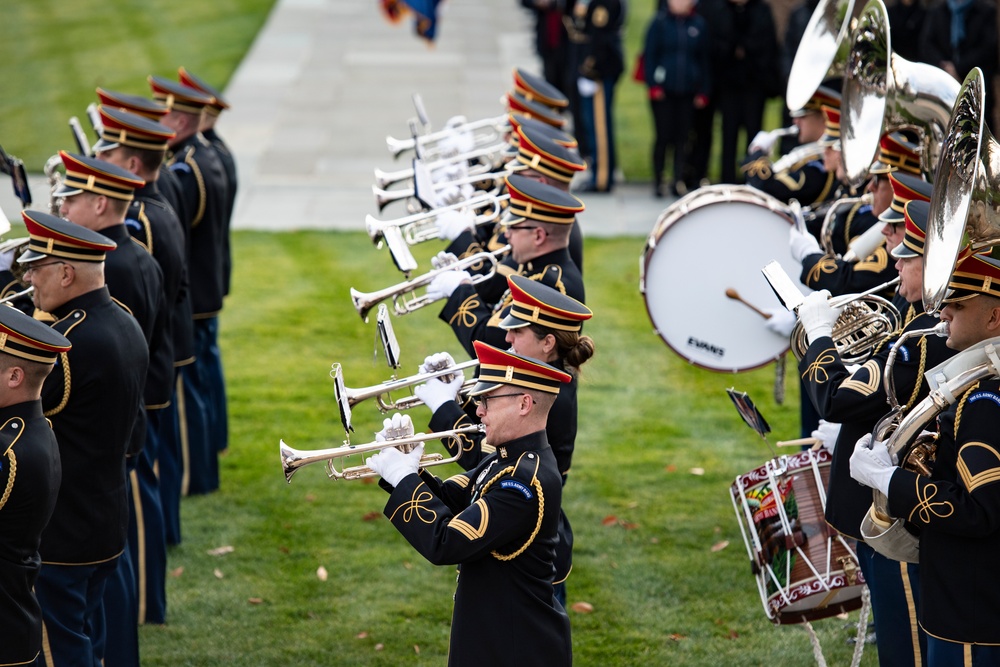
(284, 550)
(697, 471)
(719, 546)
(670, 468)
(609, 520)
(371, 516)
(675, 637)
(177, 571)
(310, 497)
(367, 480)
(218, 573)
(255, 600)
(361, 635)
(733, 634)
(582, 607)
(221, 551)
(628, 525)
(416, 649)
(407, 565)
(321, 573)
(379, 647)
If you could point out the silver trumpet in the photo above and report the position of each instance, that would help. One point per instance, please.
(496, 126)
(385, 197)
(382, 393)
(365, 301)
(17, 295)
(293, 459)
(420, 227)
(488, 158)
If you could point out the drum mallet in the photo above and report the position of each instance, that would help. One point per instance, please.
(733, 294)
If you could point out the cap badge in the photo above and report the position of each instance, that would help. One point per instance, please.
(509, 374)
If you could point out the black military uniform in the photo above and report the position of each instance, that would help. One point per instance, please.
(955, 509)
(857, 401)
(474, 311)
(204, 192)
(499, 522)
(93, 398)
(30, 471)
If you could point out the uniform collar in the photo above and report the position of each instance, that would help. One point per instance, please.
(91, 298)
(512, 449)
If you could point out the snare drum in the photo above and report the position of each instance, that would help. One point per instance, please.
(804, 569)
(716, 238)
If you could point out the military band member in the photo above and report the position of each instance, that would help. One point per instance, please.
(205, 193)
(499, 522)
(857, 400)
(138, 144)
(30, 471)
(806, 179)
(956, 508)
(538, 224)
(536, 89)
(824, 268)
(92, 398)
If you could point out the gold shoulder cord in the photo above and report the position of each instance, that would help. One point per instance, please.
(67, 383)
(189, 160)
(920, 374)
(541, 509)
(961, 406)
(13, 461)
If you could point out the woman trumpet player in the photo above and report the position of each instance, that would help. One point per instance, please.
(544, 324)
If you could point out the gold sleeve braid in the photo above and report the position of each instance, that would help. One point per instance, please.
(13, 460)
(541, 508)
(189, 160)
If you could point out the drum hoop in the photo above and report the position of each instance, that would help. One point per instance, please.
(711, 194)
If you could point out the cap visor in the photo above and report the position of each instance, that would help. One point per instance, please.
(482, 387)
(959, 295)
(511, 322)
(64, 191)
(29, 256)
(902, 252)
(104, 145)
(890, 217)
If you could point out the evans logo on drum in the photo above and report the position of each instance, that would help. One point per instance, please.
(708, 347)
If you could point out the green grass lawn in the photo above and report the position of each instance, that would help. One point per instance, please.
(645, 525)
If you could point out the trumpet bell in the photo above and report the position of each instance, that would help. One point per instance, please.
(964, 207)
(884, 92)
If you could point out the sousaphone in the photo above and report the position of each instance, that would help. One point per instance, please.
(884, 92)
(822, 53)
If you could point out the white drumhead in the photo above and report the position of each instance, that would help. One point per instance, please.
(717, 238)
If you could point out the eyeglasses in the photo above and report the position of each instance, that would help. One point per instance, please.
(33, 267)
(517, 229)
(482, 400)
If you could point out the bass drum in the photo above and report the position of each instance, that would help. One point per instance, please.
(714, 240)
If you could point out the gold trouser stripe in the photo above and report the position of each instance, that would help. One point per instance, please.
(46, 646)
(140, 530)
(185, 452)
(911, 613)
(601, 155)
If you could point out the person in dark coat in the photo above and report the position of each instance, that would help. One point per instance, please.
(678, 76)
(499, 522)
(30, 471)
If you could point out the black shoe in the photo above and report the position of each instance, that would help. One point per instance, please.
(658, 191)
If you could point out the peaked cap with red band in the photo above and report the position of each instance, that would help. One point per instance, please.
(134, 103)
(905, 187)
(536, 89)
(517, 103)
(217, 105)
(534, 200)
(89, 174)
(831, 134)
(537, 151)
(537, 303)
(555, 134)
(124, 128)
(25, 337)
(974, 274)
(896, 152)
(499, 367)
(824, 96)
(916, 213)
(51, 236)
(177, 96)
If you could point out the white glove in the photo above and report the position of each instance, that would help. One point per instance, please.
(802, 244)
(444, 283)
(818, 316)
(586, 87)
(436, 362)
(781, 321)
(452, 194)
(443, 259)
(872, 466)
(6, 259)
(452, 223)
(437, 391)
(827, 434)
(393, 465)
(763, 141)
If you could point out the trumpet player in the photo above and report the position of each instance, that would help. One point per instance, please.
(956, 508)
(537, 224)
(856, 400)
(801, 174)
(498, 522)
